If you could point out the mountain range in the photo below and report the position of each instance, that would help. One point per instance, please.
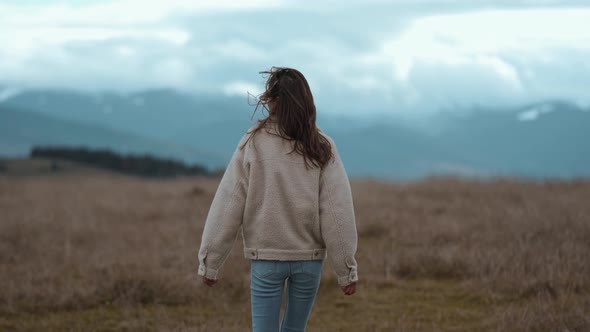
(545, 139)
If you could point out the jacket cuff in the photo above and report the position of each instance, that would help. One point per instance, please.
(207, 272)
(348, 279)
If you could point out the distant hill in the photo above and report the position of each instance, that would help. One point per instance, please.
(198, 122)
(545, 139)
(538, 140)
(132, 164)
(43, 166)
(20, 130)
(394, 151)
(214, 123)
(553, 143)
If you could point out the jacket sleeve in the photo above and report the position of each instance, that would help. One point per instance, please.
(337, 219)
(224, 218)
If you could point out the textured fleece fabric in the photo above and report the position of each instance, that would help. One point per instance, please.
(284, 211)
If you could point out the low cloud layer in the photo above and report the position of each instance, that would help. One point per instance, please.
(401, 57)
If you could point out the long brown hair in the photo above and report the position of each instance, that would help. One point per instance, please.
(289, 102)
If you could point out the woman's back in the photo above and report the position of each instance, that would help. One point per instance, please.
(281, 215)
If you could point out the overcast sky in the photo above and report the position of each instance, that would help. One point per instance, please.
(401, 56)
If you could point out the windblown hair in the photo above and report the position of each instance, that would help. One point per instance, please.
(289, 101)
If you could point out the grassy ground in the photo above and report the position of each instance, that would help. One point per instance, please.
(98, 252)
(411, 306)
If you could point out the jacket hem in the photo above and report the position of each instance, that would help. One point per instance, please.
(285, 254)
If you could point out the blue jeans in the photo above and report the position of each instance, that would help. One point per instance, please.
(267, 279)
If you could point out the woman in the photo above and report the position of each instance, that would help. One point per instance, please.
(286, 189)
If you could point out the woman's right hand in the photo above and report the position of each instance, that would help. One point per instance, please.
(349, 289)
(209, 282)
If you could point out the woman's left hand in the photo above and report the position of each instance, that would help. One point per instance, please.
(209, 282)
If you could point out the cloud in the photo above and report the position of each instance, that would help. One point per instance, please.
(533, 113)
(468, 58)
(119, 12)
(238, 50)
(8, 93)
(400, 56)
(242, 89)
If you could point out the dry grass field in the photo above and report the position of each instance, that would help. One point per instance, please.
(112, 253)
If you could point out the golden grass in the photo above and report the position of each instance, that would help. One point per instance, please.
(107, 253)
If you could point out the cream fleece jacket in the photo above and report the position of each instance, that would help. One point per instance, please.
(284, 211)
